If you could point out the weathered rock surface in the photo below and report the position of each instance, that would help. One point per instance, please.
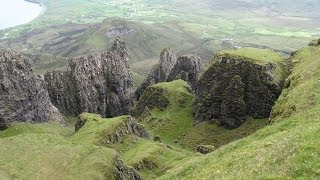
(234, 87)
(159, 72)
(187, 68)
(124, 172)
(233, 107)
(129, 127)
(99, 83)
(145, 164)
(205, 149)
(23, 94)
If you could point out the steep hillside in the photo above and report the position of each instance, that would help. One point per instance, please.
(167, 110)
(43, 150)
(287, 148)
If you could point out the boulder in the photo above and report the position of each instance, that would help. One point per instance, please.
(99, 83)
(205, 149)
(23, 94)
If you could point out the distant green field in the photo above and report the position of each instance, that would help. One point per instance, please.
(279, 25)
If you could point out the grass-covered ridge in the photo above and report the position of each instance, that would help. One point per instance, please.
(288, 148)
(40, 151)
(256, 55)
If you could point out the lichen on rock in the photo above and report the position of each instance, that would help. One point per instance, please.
(23, 94)
(99, 83)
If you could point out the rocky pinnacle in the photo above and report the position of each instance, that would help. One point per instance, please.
(99, 83)
(23, 94)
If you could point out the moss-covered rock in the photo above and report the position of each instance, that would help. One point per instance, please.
(104, 132)
(162, 95)
(240, 83)
(233, 107)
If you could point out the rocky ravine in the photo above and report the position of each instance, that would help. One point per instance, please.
(23, 94)
(235, 86)
(99, 83)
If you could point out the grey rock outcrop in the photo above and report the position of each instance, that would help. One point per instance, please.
(124, 172)
(23, 94)
(159, 72)
(187, 68)
(234, 87)
(205, 149)
(99, 83)
(128, 127)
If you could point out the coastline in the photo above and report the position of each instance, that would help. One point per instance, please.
(36, 15)
(41, 4)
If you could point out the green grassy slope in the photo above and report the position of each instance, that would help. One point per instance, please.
(151, 158)
(175, 124)
(41, 151)
(288, 148)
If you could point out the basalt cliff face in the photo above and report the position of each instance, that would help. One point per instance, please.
(187, 68)
(23, 94)
(99, 83)
(159, 72)
(235, 87)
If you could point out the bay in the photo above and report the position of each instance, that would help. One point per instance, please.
(17, 12)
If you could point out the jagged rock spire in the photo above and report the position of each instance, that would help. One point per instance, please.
(23, 94)
(160, 72)
(99, 83)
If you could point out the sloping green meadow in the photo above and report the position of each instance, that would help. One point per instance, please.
(287, 148)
